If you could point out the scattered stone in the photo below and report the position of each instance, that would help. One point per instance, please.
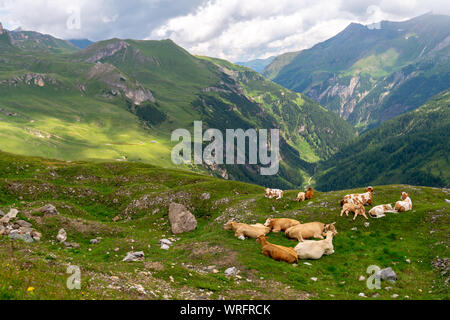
(394, 296)
(231, 271)
(72, 245)
(387, 274)
(140, 289)
(362, 278)
(375, 295)
(314, 279)
(362, 295)
(408, 261)
(23, 224)
(134, 256)
(366, 224)
(36, 235)
(47, 209)
(94, 241)
(205, 196)
(354, 229)
(62, 235)
(165, 244)
(446, 200)
(116, 218)
(181, 220)
(307, 263)
(25, 237)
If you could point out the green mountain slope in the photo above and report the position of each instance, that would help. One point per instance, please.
(412, 148)
(369, 74)
(121, 99)
(88, 196)
(35, 41)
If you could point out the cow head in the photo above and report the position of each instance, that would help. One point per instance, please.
(267, 223)
(369, 189)
(261, 238)
(404, 196)
(330, 227)
(229, 225)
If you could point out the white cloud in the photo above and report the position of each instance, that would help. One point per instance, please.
(244, 30)
(230, 29)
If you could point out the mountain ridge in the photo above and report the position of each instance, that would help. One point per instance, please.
(364, 74)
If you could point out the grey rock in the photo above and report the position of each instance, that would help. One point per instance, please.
(48, 209)
(181, 220)
(72, 245)
(165, 241)
(205, 196)
(165, 246)
(25, 237)
(94, 241)
(24, 224)
(134, 256)
(62, 235)
(231, 271)
(387, 274)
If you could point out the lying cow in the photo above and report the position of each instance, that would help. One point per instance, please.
(315, 249)
(309, 194)
(281, 224)
(301, 196)
(276, 252)
(310, 230)
(358, 209)
(364, 198)
(242, 230)
(405, 204)
(379, 211)
(271, 193)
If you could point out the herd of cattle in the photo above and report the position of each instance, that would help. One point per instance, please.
(293, 229)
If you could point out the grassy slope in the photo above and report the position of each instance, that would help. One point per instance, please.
(412, 148)
(92, 123)
(84, 194)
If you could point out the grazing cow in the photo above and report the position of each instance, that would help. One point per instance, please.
(242, 230)
(405, 204)
(357, 209)
(315, 249)
(310, 230)
(309, 194)
(379, 211)
(301, 196)
(364, 198)
(277, 252)
(282, 224)
(271, 193)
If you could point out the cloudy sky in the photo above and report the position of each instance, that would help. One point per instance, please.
(237, 30)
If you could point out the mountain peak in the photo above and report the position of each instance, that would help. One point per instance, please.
(1, 28)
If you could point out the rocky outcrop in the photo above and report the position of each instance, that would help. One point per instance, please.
(108, 51)
(18, 229)
(119, 83)
(36, 79)
(181, 220)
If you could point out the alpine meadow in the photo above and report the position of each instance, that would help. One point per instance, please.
(94, 207)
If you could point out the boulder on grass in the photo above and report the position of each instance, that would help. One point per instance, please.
(181, 220)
